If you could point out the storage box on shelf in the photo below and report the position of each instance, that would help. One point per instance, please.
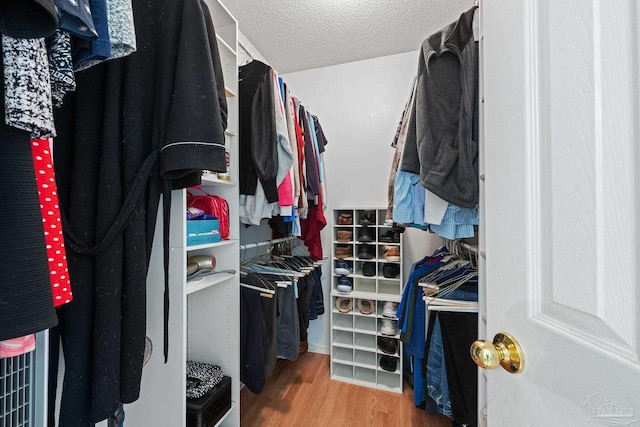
(367, 256)
(204, 312)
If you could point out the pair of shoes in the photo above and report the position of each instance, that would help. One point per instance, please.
(389, 309)
(368, 269)
(367, 217)
(390, 271)
(343, 251)
(365, 235)
(366, 252)
(392, 253)
(344, 235)
(343, 268)
(344, 305)
(388, 363)
(344, 284)
(388, 345)
(366, 306)
(345, 218)
(388, 327)
(390, 237)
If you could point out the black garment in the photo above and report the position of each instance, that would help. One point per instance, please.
(313, 174)
(270, 332)
(459, 331)
(316, 308)
(28, 19)
(217, 65)
(322, 139)
(26, 303)
(251, 341)
(257, 133)
(159, 103)
(305, 290)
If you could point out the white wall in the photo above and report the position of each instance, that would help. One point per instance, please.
(359, 105)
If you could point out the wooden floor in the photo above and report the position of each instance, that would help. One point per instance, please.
(301, 394)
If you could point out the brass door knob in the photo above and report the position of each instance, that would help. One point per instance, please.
(505, 351)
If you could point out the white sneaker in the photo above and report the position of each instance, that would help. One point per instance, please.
(389, 309)
(388, 327)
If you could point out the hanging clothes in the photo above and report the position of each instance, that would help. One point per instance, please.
(28, 19)
(25, 290)
(122, 137)
(443, 150)
(50, 207)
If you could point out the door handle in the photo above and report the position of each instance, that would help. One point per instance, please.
(505, 351)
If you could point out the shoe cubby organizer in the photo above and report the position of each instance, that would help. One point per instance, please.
(367, 257)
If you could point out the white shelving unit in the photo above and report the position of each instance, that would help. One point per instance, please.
(355, 356)
(204, 313)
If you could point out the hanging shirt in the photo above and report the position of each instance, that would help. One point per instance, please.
(89, 52)
(122, 34)
(61, 74)
(28, 19)
(27, 86)
(76, 19)
(53, 236)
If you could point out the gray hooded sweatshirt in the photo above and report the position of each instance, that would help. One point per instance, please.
(440, 144)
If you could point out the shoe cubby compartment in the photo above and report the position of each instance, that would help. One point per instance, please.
(354, 331)
(343, 355)
(343, 234)
(395, 324)
(390, 380)
(365, 325)
(380, 311)
(342, 251)
(361, 268)
(342, 338)
(364, 375)
(342, 371)
(365, 342)
(389, 287)
(364, 359)
(364, 284)
(342, 321)
(365, 251)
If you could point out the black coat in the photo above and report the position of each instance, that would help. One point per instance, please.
(132, 122)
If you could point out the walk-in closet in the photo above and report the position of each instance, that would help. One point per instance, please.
(319, 213)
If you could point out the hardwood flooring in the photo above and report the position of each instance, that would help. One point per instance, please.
(300, 393)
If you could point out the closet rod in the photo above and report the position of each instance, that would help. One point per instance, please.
(247, 51)
(266, 242)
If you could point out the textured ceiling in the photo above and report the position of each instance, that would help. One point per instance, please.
(298, 35)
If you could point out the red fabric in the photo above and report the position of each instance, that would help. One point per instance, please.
(212, 205)
(17, 346)
(311, 227)
(48, 194)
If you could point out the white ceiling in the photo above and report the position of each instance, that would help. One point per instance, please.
(297, 35)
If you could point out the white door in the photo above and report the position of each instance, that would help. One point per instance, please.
(562, 181)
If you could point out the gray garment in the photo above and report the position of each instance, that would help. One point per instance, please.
(270, 333)
(122, 34)
(27, 86)
(439, 144)
(288, 324)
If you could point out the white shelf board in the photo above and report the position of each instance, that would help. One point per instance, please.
(225, 45)
(212, 245)
(363, 348)
(340, 345)
(206, 282)
(224, 417)
(212, 179)
(342, 328)
(367, 295)
(363, 331)
(364, 365)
